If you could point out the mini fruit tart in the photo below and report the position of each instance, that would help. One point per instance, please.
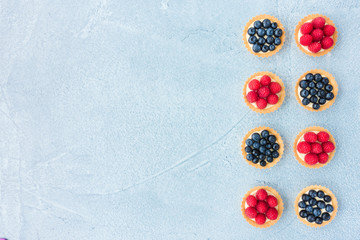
(262, 147)
(264, 35)
(315, 35)
(316, 90)
(316, 206)
(262, 206)
(314, 147)
(264, 92)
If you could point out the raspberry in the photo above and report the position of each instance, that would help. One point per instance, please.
(323, 136)
(317, 35)
(265, 80)
(254, 84)
(329, 30)
(272, 99)
(250, 212)
(251, 201)
(264, 92)
(323, 157)
(316, 148)
(252, 96)
(314, 47)
(328, 147)
(272, 201)
(310, 137)
(303, 147)
(260, 219)
(306, 39)
(306, 28)
(275, 87)
(261, 103)
(272, 214)
(327, 42)
(261, 194)
(262, 207)
(311, 158)
(318, 22)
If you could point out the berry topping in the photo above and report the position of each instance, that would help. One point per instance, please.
(317, 35)
(265, 80)
(323, 157)
(262, 206)
(311, 158)
(272, 213)
(261, 194)
(327, 42)
(316, 148)
(323, 136)
(272, 201)
(306, 39)
(275, 87)
(329, 30)
(272, 99)
(261, 103)
(254, 84)
(310, 137)
(251, 201)
(314, 47)
(318, 22)
(303, 147)
(252, 96)
(264, 92)
(306, 28)
(328, 147)
(260, 219)
(251, 212)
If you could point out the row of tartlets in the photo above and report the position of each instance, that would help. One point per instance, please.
(315, 90)
(315, 206)
(315, 35)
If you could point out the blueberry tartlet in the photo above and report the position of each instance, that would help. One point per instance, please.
(314, 147)
(264, 35)
(262, 147)
(316, 90)
(316, 206)
(264, 92)
(262, 206)
(315, 35)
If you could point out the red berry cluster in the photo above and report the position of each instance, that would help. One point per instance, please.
(261, 207)
(263, 92)
(317, 35)
(316, 147)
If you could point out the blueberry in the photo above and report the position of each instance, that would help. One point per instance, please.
(318, 77)
(322, 101)
(256, 145)
(272, 47)
(248, 149)
(249, 142)
(303, 214)
(320, 194)
(275, 154)
(261, 41)
(303, 84)
(329, 208)
(302, 204)
(262, 157)
(272, 139)
(250, 157)
(321, 93)
(251, 31)
(305, 101)
(278, 32)
(269, 159)
(329, 96)
(304, 93)
(311, 84)
(255, 160)
(327, 198)
(318, 220)
(310, 218)
(262, 149)
(256, 48)
(268, 146)
(263, 142)
(312, 193)
(305, 197)
(255, 152)
(257, 24)
(328, 87)
(266, 23)
(317, 212)
(256, 137)
(265, 48)
(276, 146)
(313, 99)
(268, 152)
(277, 41)
(312, 202)
(252, 40)
(320, 204)
(263, 163)
(325, 216)
(270, 32)
(325, 80)
(274, 25)
(313, 91)
(319, 85)
(309, 77)
(265, 133)
(316, 106)
(261, 32)
(270, 40)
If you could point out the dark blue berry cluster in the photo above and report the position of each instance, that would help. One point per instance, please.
(316, 90)
(264, 36)
(262, 148)
(316, 206)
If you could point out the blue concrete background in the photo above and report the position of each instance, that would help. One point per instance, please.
(123, 119)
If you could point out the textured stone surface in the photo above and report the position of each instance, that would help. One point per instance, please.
(123, 119)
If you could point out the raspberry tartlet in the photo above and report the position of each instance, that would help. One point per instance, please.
(264, 92)
(316, 90)
(316, 206)
(264, 35)
(262, 206)
(262, 147)
(315, 35)
(314, 147)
